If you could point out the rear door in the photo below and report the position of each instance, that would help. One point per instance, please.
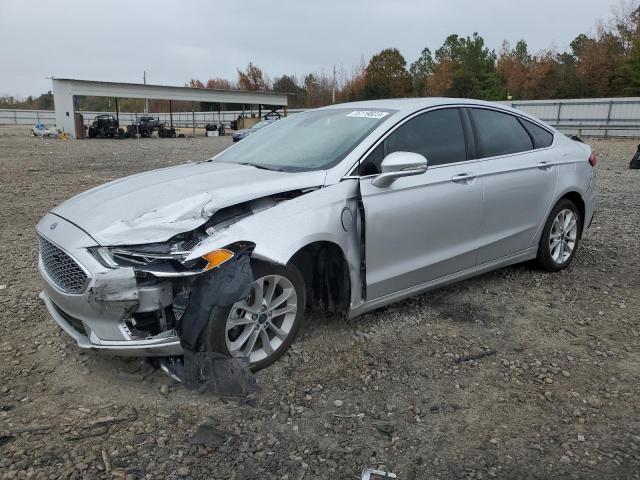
(425, 226)
(520, 177)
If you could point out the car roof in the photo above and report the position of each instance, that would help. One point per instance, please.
(406, 105)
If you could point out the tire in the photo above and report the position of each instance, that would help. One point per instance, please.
(217, 338)
(560, 237)
(92, 132)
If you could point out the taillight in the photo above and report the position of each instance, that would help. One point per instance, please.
(593, 160)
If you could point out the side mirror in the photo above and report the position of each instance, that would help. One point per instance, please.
(399, 164)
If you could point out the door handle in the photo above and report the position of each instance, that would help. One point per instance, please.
(545, 165)
(463, 178)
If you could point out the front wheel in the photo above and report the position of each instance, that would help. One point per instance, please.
(560, 237)
(262, 326)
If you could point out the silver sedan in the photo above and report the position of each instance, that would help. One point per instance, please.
(341, 210)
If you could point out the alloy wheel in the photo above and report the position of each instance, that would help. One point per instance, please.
(563, 236)
(259, 324)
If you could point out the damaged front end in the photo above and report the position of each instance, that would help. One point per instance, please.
(143, 300)
(150, 299)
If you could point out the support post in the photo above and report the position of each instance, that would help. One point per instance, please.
(606, 131)
(559, 110)
(193, 120)
(117, 112)
(64, 107)
(170, 115)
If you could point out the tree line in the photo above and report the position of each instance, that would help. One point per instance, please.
(604, 63)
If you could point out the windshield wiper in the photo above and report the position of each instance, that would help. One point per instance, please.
(273, 169)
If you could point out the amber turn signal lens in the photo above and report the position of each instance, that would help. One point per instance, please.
(216, 258)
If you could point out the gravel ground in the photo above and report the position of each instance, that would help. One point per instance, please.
(558, 399)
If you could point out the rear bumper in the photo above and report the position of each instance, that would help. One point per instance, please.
(158, 346)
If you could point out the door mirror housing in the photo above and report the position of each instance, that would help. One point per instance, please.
(399, 164)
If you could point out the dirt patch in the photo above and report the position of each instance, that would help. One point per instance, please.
(558, 399)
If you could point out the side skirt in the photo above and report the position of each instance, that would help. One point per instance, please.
(512, 259)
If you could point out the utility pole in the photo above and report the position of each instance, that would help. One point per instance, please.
(146, 101)
(333, 91)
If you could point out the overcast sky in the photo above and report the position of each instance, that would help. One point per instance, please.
(175, 40)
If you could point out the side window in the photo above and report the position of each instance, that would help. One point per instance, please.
(371, 165)
(499, 133)
(438, 135)
(541, 138)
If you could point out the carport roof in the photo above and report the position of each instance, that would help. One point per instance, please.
(168, 92)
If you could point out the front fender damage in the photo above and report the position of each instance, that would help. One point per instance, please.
(202, 369)
(220, 287)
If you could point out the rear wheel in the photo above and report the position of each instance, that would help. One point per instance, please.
(262, 326)
(560, 237)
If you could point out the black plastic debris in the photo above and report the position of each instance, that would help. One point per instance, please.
(218, 374)
(384, 427)
(208, 436)
(220, 287)
(635, 161)
(6, 439)
(227, 377)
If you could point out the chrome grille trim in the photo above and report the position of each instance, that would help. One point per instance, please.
(63, 271)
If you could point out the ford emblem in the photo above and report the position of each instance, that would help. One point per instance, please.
(53, 226)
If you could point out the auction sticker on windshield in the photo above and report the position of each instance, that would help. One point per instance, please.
(367, 114)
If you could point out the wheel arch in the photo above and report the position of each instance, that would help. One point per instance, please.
(324, 267)
(577, 199)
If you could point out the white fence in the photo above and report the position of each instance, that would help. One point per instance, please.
(599, 117)
(180, 119)
(27, 117)
(594, 117)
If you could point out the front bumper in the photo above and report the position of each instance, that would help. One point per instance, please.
(97, 317)
(152, 347)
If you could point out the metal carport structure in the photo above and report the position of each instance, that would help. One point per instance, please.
(65, 89)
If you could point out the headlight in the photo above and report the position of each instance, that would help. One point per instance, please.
(165, 260)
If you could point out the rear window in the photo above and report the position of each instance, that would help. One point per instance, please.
(541, 138)
(500, 133)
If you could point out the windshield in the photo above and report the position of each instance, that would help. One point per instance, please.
(314, 140)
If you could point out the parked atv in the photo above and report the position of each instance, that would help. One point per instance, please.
(166, 132)
(105, 126)
(144, 127)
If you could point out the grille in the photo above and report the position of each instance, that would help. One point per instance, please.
(61, 268)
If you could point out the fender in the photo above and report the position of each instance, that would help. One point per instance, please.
(282, 230)
(569, 171)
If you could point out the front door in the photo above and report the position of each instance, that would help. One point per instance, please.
(422, 227)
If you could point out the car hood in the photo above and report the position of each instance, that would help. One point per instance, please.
(156, 205)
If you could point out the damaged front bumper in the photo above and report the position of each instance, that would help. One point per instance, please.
(161, 345)
(107, 310)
